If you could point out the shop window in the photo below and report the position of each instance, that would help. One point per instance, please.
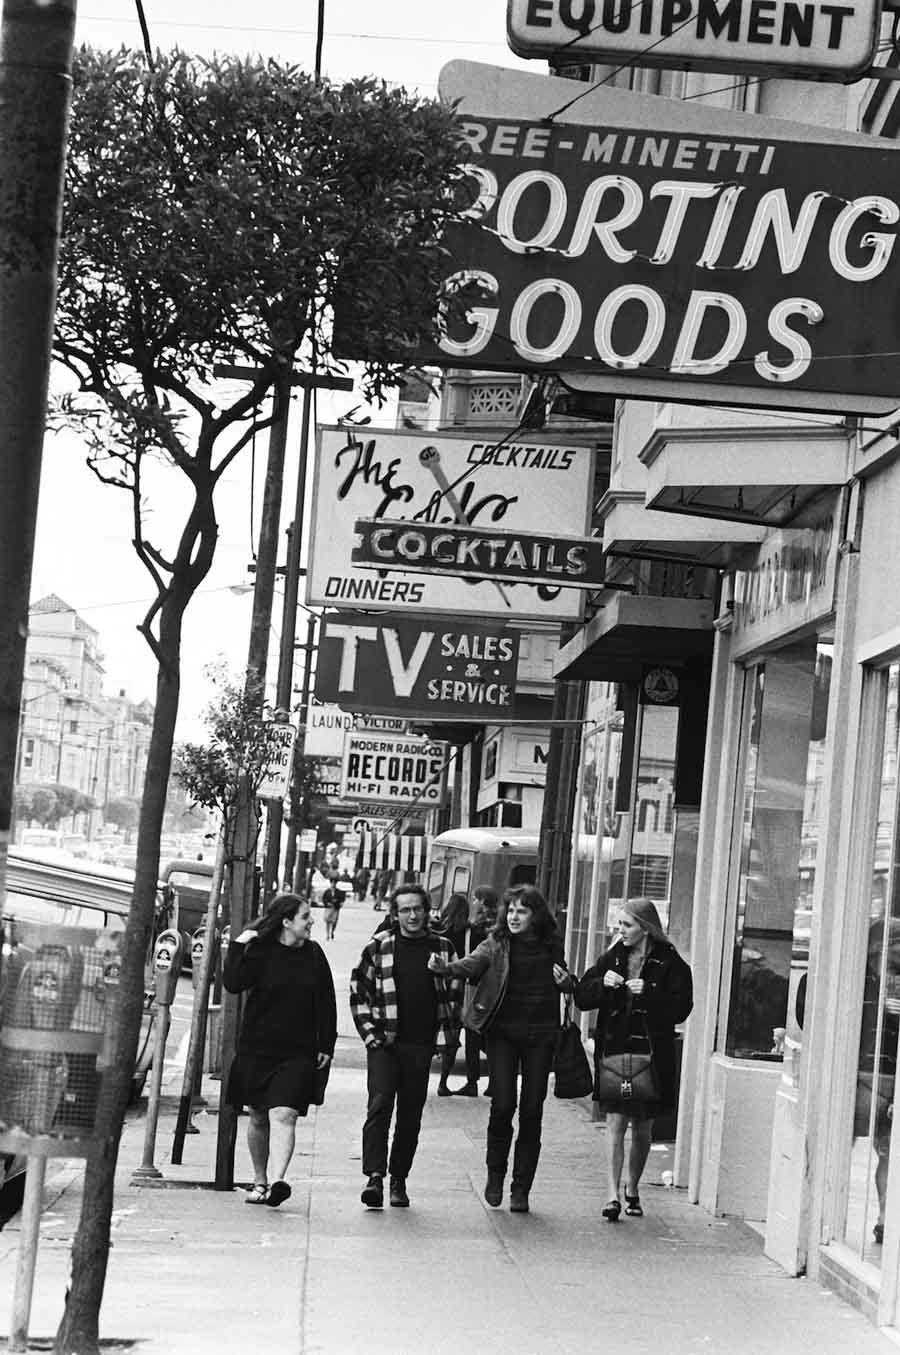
(786, 699)
(880, 1017)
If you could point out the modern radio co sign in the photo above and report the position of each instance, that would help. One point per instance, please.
(660, 250)
(822, 38)
(393, 771)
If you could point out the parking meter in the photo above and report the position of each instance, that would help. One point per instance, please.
(198, 943)
(167, 955)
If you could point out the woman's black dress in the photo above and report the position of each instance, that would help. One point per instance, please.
(290, 1017)
(626, 1024)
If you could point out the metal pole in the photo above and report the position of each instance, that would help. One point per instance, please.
(27, 1257)
(194, 1058)
(285, 681)
(36, 42)
(147, 1171)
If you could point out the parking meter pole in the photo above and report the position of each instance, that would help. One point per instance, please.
(27, 1258)
(202, 969)
(167, 964)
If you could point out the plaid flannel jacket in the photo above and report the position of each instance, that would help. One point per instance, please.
(373, 993)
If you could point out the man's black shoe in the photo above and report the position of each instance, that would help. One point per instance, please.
(373, 1193)
(399, 1197)
(518, 1199)
(493, 1191)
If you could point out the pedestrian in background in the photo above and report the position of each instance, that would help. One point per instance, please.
(404, 1014)
(288, 1032)
(520, 972)
(641, 989)
(453, 922)
(332, 902)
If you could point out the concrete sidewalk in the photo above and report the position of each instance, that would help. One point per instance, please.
(194, 1271)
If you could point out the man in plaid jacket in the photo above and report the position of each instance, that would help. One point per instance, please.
(403, 1013)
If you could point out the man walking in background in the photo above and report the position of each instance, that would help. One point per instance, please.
(404, 1014)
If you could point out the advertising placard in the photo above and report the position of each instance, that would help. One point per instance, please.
(516, 485)
(477, 553)
(422, 668)
(653, 248)
(815, 39)
(326, 726)
(394, 771)
(274, 783)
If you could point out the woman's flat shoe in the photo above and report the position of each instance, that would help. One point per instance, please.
(633, 1206)
(278, 1193)
(611, 1211)
(878, 1233)
(258, 1194)
(443, 1089)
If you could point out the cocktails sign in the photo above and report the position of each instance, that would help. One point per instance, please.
(514, 484)
(659, 250)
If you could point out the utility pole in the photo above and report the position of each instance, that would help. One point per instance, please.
(243, 864)
(36, 42)
(285, 682)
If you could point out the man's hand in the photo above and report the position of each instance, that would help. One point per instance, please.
(323, 1060)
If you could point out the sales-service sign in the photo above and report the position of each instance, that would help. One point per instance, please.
(420, 668)
(655, 249)
(813, 38)
(394, 771)
(518, 484)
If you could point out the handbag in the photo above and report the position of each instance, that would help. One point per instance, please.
(572, 1075)
(320, 1082)
(626, 1080)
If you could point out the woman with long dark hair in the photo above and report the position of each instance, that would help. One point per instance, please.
(287, 1034)
(517, 974)
(641, 988)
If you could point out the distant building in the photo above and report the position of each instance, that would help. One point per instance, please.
(70, 732)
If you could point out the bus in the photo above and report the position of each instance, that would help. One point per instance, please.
(462, 859)
(48, 890)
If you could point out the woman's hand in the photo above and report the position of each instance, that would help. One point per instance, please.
(612, 980)
(636, 986)
(437, 965)
(323, 1060)
(248, 934)
(561, 976)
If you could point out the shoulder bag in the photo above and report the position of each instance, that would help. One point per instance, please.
(627, 1079)
(572, 1075)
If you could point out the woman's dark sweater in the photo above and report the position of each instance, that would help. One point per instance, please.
(530, 1006)
(291, 1006)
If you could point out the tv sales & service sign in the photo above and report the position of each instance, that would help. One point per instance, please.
(655, 249)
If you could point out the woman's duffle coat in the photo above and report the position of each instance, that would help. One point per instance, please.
(667, 999)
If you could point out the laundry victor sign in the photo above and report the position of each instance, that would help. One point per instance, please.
(816, 37)
(653, 248)
(422, 668)
(467, 552)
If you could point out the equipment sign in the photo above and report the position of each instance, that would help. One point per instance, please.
(815, 38)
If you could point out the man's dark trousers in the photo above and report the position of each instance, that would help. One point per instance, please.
(397, 1073)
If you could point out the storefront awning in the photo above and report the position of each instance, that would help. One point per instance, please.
(629, 632)
(764, 476)
(631, 529)
(394, 851)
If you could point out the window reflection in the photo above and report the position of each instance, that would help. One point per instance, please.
(780, 809)
(880, 1017)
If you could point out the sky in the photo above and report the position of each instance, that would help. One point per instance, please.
(83, 548)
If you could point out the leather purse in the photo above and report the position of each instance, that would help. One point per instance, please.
(572, 1075)
(626, 1079)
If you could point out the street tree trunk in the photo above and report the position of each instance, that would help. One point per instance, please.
(78, 1332)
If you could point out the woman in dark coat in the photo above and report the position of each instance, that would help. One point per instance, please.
(287, 1034)
(642, 989)
(454, 924)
